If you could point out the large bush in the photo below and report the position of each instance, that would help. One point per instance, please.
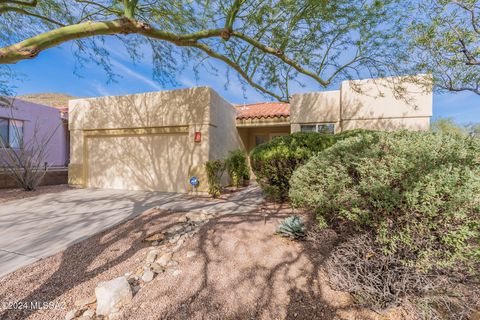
(416, 193)
(274, 162)
(237, 167)
(215, 170)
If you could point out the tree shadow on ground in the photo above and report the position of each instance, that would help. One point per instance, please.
(241, 270)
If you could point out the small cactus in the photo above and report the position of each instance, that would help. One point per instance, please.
(292, 227)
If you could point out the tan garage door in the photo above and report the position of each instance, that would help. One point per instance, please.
(138, 162)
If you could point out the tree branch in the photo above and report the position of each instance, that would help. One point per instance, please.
(31, 47)
(471, 11)
(4, 9)
(281, 55)
(471, 60)
(232, 14)
(205, 48)
(32, 3)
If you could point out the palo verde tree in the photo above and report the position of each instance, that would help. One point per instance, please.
(268, 44)
(443, 39)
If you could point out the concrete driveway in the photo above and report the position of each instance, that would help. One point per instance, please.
(37, 227)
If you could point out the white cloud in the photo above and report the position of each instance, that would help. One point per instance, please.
(137, 75)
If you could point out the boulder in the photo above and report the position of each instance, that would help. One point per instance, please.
(112, 295)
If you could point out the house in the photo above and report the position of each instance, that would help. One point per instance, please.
(34, 124)
(159, 140)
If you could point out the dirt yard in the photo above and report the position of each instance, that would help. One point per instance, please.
(14, 194)
(234, 267)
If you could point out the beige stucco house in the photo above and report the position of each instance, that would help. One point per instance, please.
(158, 140)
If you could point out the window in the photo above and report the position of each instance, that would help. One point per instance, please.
(325, 128)
(260, 139)
(308, 128)
(15, 133)
(4, 132)
(11, 132)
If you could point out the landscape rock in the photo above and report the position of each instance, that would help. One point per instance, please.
(72, 314)
(136, 289)
(159, 236)
(183, 219)
(112, 295)
(151, 256)
(165, 259)
(148, 276)
(190, 254)
(193, 216)
(157, 268)
(89, 313)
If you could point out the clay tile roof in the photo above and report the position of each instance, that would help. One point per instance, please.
(263, 110)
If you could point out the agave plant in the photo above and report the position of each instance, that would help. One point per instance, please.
(292, 227)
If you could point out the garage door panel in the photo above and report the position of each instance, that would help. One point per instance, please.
(146, 162)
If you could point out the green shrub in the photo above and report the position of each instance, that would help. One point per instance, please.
(416, 193)
(292, 227)
(449, 126)
(215, 170)
(274, 162)
(237, 167)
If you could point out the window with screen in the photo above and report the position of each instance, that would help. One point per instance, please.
(325, 128)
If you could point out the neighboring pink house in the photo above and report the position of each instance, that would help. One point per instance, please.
(38, 120)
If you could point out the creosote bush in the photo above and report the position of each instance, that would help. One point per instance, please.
(275, 161)
(417, 194)
(215, 170)
(237, 167)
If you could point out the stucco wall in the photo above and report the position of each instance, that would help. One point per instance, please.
(385, 104)
(222, 130)
(315, 107)
(40, 123)
(151, 109)
(385, 98)
(196, 110)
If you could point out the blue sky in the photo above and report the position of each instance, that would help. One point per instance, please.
(53, 71)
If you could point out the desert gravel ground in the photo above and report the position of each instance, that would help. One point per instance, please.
(240, 270)
(16, 193)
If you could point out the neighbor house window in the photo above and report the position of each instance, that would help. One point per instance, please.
(327, 128)
(11, 132)
(4, 132)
